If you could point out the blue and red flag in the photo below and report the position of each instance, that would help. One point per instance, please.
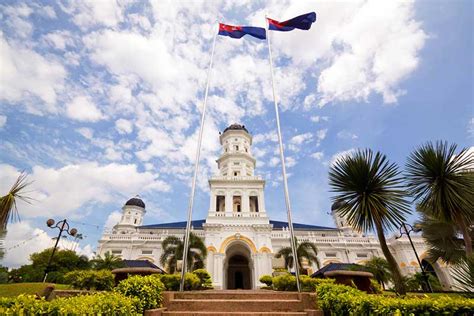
(239, 31)
(302, 22)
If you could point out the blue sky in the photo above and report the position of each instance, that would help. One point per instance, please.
(100, 101)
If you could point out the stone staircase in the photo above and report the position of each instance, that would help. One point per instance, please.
(237, 302)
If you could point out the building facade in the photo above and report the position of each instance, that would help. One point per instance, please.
(241, 239)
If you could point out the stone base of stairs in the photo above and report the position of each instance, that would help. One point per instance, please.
(237, 302)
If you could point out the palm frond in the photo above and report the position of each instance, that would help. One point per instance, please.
(463, 273)
(8, 202)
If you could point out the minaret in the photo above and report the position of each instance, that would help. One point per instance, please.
(236, 192)
(132, 215)
(341, 221)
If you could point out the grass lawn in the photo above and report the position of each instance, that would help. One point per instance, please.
(14, 289)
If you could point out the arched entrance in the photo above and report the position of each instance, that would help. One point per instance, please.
(238, 267)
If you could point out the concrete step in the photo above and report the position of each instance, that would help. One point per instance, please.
(184, 313)
(237, 295)
(229, 305)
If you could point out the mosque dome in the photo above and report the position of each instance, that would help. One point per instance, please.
(236, 127)
(136, 201)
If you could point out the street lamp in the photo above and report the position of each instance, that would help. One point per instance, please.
(407, 229)
(62, 226)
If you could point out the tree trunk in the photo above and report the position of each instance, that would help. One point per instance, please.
(396, 274)
(466, 234)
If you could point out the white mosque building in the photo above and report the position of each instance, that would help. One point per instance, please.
(240, 237)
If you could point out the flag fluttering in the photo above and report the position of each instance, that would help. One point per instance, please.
(239, 31)
(302, 22)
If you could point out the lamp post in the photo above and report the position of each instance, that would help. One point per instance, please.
(62, 226)
(406, 229)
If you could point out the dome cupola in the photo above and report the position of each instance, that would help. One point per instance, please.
(135, 201)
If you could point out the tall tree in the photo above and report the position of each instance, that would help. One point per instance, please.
(380, 269)
(442, 182)
(173, 248)
(305, 250)
(108, 262)
(371, 195)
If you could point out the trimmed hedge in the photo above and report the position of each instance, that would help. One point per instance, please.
(101, 303)
(287, 282)
(148, 289)
(205, 281)
(90, 279)
(344, 300)
(266, 279)
(171, 281)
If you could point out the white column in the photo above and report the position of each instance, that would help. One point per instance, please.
(212, 208)
(228, 202)
(245, 202)
(261, 202)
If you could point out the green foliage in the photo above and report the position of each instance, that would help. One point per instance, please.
(8, 202)
(148, 289)
(15, 289)
(416, 282)
(205, 281)
(90, 279)
(305, 250)
(96, 304)
(3, 275)
(63, 262)
(380, 268)
(375, 286)
(171, 281)
(108, 262)
(287, 282)
(464, 274)
(173, 251)
(343, 300)
(266, 279)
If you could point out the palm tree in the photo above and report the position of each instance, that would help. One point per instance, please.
(8, 202)
(443, 239)
(173, 248)
(370, 194)
(380, 269)
(464, 274)
(305, 250)
(442, 182)
(108, 262)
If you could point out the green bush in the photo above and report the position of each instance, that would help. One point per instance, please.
(172, 281)
(286, 282)
(375, 286)
(309, 284)
(90, 279)
(205, 281)
(147, 288)
(337, 299)
(266, 279)
(96, 304)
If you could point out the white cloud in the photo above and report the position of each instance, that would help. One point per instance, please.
(82, 108)
(123, 126)
(297, 141)
(59, 39)
(317, 118)
(86, 132)
(68, 189)
(344, 134)
(321, 135)
(26, 73)
(470, 127)
(89, 13)
(3, 120)
(112, 219)
(340, 155)
(317, 155)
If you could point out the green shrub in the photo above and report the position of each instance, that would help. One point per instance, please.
(337, 299)
(375, 286)
(309, 284)
(205, 281)
(96, 304)
(90, 279)
(147, 288)
(286, 282)
(266, 279)
(171, 281)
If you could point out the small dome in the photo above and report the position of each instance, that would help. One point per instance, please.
(136, 201)
(236, 127)
(336, 205)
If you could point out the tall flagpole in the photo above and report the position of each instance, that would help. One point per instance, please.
(196, 167)
(283, 167)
